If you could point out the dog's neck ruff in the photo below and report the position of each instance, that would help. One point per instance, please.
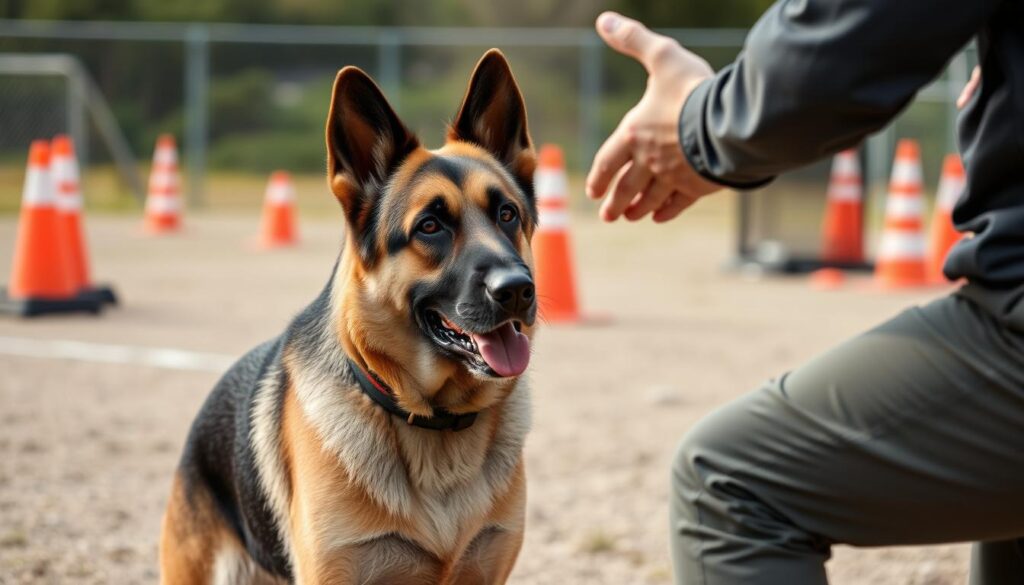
(379, 392)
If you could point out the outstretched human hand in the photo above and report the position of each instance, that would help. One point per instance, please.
(641, 166)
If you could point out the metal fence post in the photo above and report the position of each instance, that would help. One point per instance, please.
(591, 63)
(879, 150)
(77, 123)
(389, 67)
(197, 83)
(958, 73)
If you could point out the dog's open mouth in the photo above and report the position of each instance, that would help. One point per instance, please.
(504, 351)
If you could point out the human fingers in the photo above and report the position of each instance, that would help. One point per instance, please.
(652, 198)
(968, 91)
(612, 156)
(633, 180)
(675, 205)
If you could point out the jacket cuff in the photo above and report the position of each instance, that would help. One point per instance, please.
(695, 147)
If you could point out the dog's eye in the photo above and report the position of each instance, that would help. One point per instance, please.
(507, 213)
(428, 226)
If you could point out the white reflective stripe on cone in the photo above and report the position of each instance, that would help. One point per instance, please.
(844, 192)
(165, 156)
(69, 201)
(552, 221)
(950, 191)
(845, 164)
(904, 207)
(163, 204)
(905, 172)
(901, 246)
(38, 189)
(280, 195)
(64, 174)
(550, 184)
(163, 181)
(64, 170)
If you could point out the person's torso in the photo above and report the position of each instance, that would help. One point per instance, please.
(991, 131)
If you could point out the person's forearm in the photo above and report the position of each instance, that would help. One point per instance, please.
(817, 76)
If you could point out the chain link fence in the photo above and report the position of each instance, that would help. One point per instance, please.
(30, 106)
(248, 99)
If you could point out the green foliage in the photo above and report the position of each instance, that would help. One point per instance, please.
(209, 10)
(241, 104)
(296, 150)
(694, 13)
(69, 9)
(683, 13)
(267, 102)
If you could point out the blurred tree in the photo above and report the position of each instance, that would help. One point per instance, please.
(694, 13)
(69, 9)
(254, 127)
(682, 13)
(534, 12)
(379, 12)
(242, 103)
(208, 10)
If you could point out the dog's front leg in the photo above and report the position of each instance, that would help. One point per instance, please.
(383, 561)
(314, 567)
(492, 553)
(489, 559)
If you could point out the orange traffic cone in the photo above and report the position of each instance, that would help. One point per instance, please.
(842, 231)
(943, 234)
(41, 280)
(69, 211)
(278, 226)
(556, 286)
(901, 254)
(163, 201)
(69, 208)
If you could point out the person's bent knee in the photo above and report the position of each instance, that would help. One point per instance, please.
(710, 447)
(725, 479)
(721, 472)
(702, 462)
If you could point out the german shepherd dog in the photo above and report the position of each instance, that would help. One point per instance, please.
(379, 439)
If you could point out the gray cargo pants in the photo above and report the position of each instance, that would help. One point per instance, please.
(912, 433)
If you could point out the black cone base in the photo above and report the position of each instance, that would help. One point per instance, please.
(103, 294)
(34, 307)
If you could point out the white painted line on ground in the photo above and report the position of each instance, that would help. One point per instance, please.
(157, 357)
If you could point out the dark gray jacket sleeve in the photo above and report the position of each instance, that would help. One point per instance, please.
(817, 76)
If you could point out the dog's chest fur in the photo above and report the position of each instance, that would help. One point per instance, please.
(435, 490)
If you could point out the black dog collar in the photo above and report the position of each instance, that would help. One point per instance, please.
(379, 392)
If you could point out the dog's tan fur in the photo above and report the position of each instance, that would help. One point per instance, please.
(359, 496)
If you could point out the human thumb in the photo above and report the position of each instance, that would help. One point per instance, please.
(625, 35)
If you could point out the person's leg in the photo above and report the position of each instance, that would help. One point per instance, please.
(908, 434)
(998, 563)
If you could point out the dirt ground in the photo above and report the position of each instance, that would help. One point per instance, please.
(87, 449)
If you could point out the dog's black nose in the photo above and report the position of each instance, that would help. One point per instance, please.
(511, 288)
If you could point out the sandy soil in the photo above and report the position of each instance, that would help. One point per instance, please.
(87, 449)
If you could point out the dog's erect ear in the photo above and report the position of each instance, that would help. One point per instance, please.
(493, 115)
(365, 140)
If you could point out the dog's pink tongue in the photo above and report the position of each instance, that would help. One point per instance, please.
(506, 350)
